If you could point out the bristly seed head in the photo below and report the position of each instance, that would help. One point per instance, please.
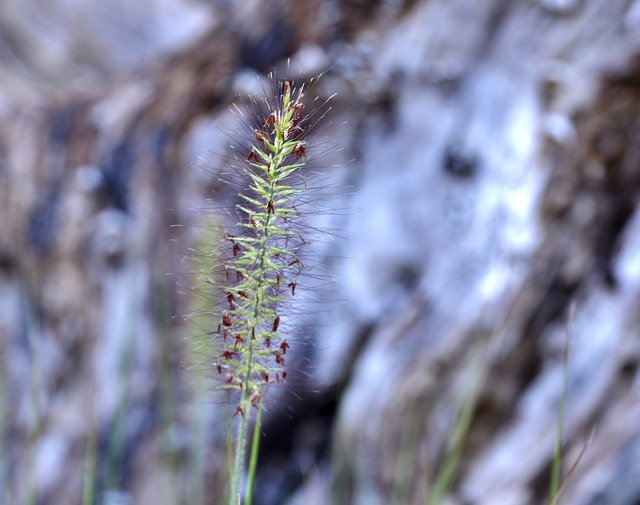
(264, 255)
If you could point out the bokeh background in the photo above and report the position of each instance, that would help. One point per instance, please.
(489, 165)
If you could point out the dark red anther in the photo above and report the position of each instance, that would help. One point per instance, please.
(239, 276)
(270, 209)
(278, 278)
(284, 375)
(279, 359)
(265, 377)
(276, 323)
(294, 131)
(230, 299)
(260, 136)
(226, 319)
(270, 121)
(243, 294)
(286, 87)
(267, 342)
(284, 346)
(227, 354)
(237, 339)
(255, 398)
(251, 156)
(229, 379)
(236, 249)
(224, 335)
(300, 150)
(219, 368)
(292, 285)
(238, 411)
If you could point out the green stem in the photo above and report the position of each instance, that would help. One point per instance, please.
(234, 496)
(88, 489)
(253, 459)
(556, 463)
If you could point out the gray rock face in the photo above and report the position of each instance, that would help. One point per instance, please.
(490, 168)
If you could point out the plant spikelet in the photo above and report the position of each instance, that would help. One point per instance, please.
(263, 263)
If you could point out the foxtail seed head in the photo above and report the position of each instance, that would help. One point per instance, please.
(264, 258)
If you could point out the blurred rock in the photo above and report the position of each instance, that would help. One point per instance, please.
(561, 6)
(489, 169)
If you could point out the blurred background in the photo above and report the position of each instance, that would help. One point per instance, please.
(490, 164)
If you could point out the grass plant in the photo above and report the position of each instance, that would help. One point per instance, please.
(261, 266)
(446, 473)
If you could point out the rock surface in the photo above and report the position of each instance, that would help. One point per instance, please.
(490, 165)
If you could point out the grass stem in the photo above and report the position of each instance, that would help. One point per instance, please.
(253, 459)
